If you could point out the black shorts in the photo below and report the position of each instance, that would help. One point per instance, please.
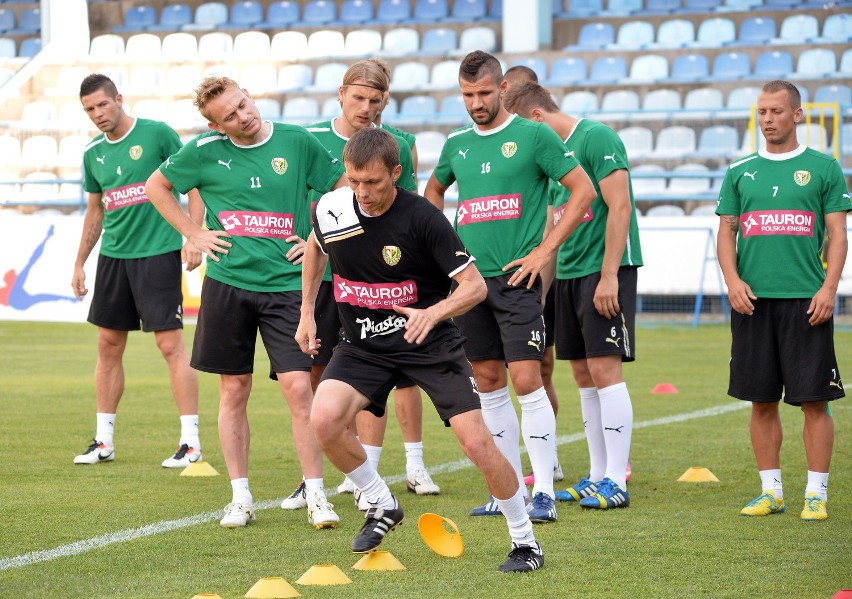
(581, 332)
(328, 323)
(549, 314)
(775, 348)
(443, 372)
(129, 290)
(507, 325)
(228, 321)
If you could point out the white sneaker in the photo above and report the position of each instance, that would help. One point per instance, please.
(321, 512)
(296, 500)
(184, 456)
(97, 452)
(237, 515)
(421, 483)
(360, 501)
(347, 486)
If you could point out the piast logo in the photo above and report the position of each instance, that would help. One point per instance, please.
(802, 178)
(279, 165)
(392, 255)
(509, 148)
(136, 152)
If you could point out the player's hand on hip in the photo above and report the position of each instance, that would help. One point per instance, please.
(606, 296)
(210, 242)
(78, 283)
(190, 255)
(528, 268)
(821, 307)
(740, 296)
(297, 252)
(306, 336)
(418, 323)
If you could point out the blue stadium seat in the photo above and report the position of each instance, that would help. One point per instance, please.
(355, 12)
(619, 104)
(328, 76)
(756, 31)
(582, 9)
(608, 69)
(731, 65)
(816, 63)
(417, 110)
(579, 103)
(836, 28)
(30, 47)
(439, 41)
(702, 103)
(645, 187)
(7, 20)
(400, 41)
(7, 49)
(720, 141)
(649, 67)
(477, 38)
(633, 35)
(393, 11)
(715, 32)
(318, 13)
(453, 111)
(740, 5)
(270, 110)
(409, 76)
(775, 64)
(495, 10)
(138, 18)
(656, 7)
(701, 5)
(208, 16)
(638, 141)
(845, 69)
(567, 71)
(594, 36)
(623, 7)
(244, 15)
(430, 11)
(659, 104)
(300, 111)
(675, 33)
(776, 4)
(675, 142)
(536, 64)
(690, 67)
(294, 77)
(469, 10)
(842, 94)
(281, 15)
(740, 101)
(173, 17)
(798, 29)
(444, 75)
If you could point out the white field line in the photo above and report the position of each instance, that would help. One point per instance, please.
(148, 530)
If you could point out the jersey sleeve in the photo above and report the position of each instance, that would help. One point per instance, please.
(604, 153)
(408, 178)
(323, 168)
(169, 141)
(836, 195)
(90, 184)
(315, 227)
(551, 154)
(444, 243)
(183, 169)
(443, 170)
(729, 198)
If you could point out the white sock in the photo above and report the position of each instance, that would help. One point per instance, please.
(314, 485)
(240, 491)
(105, 428)
(374, 454)
(770, 480)
(617, 422)
(539, 427)
(817, 483)
(372, 485)
(590, 406)
(189, 431)
(502, 420)
(414, 456)
(515, 511)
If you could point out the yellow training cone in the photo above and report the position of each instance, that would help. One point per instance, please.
(199, 469)
(324, 574)
(378, 560)
(441, 535)
(696, 474)
(272, 588)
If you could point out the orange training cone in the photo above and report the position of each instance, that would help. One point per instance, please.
(378, 560)
(199, 469)
(697, 474)
(664, 388)
(272, 588)
(441, 535)
(324, 574)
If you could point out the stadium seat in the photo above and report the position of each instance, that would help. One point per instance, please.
(259, 78)
(715, 32)
(594, 36)
(608, 69)
(328, 77)
(363, 43)
(648, 68)
(67, 81)
(183, 115)
(8, 49)
(798, 29)
(675, 33)
(579, 103)
(400, 41)
(245, 14)
(417, 110)
(619, 105)
(477, 38)
(143, 47)
(29, 22)
(842, 94)
(776, 4)
(846, 136)
(718, 142)
(495, 10)
(702, 103)
(701, 5)
(690, 67)
(107, 47)
(393, 11)
(689, 187)
(409, 76)
(10, 149)
(318, 13)
(208, 16)
(756, 31)
(816, 63)
(536, 64)
(567, 71)
(660, 7)
(582, 9)
(138, 18)
(444, 75)
(149, 108)
(355, 12)
(71, 117)
(289, 45)
(665, 210)
(142, 79)
(281, 15)
(326, 43)
(452, 111)
(634, 35)
(622, 7)
(215, 45)
(331, 109)
(269, 108)
(222, 70)
(118, 74)
(846, 64)
(179, 46)
(251, 45)
(173, 17)
(813, 135)
(740, 5)
(836, 28)
(704, 210)
(300, 111)
(182, 79)
(775, 64)
(430, 11)
(29, 47)
(439, 41)
(38, 187)
(740, 101)
(429, 146)
(659, 104)
(467, 11)
(7, 20)
(675, 142)
(645, 187)
(294, 77)
(731, 65)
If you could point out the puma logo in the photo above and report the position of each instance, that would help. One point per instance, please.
(615, 342)
(464, 154)
(334, 216)
(610, 157)
(750, 175)
(100, 158)
(226, 164)
(499, 435)
(835, 384)
(617, 429)
(535, 344)
(543, 437)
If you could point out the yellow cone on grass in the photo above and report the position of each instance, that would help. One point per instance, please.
(378, 560)
(199, 469)
(272, 588)
(324, 574)
(441, 535)
(697, 474)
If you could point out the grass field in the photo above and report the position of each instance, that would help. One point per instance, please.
(133, 529)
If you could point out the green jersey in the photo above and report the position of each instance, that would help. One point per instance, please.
(118, 171)
(600, 152)
(409, 138)
(257, 194)
(502, 177)
(781, 201)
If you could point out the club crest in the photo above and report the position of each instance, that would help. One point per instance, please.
(802, 178)
(391, 254)
(509, 148)
(136, 152)
(279, 165)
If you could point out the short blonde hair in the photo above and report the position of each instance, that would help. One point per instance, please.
(370, 73)
(209, 89)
